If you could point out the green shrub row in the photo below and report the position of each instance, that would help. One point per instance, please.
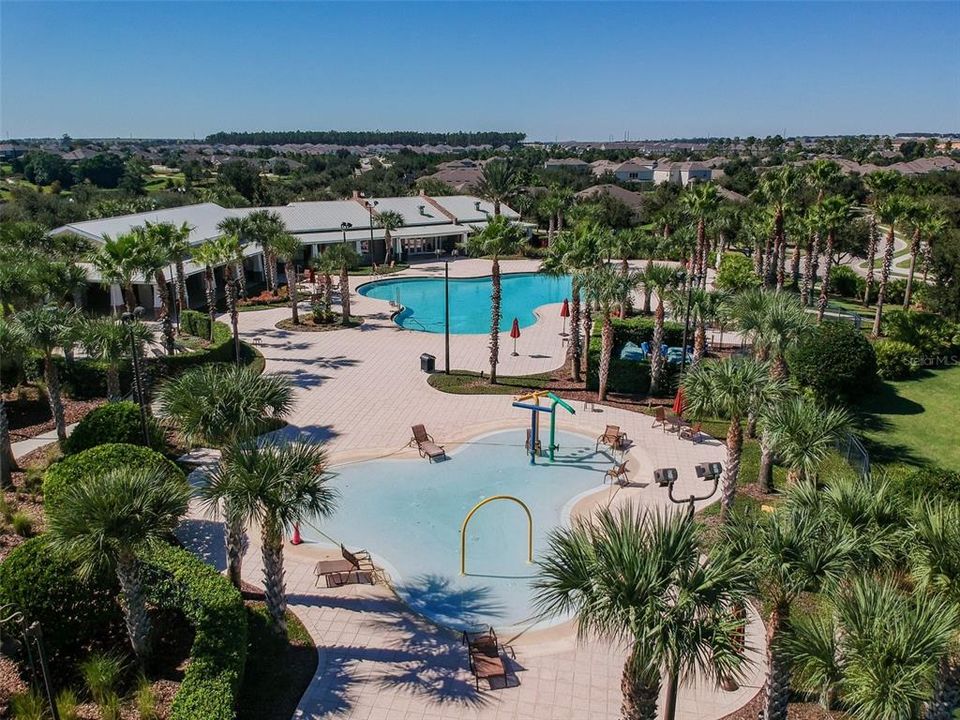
(639, 330)
(98, 460)
(220, 350)
(625, 376)
(176, 579)
(895, 360)
(116, 422)
(836, 361)
(193, 322)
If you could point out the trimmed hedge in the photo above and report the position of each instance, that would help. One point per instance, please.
(835, 360)
(72, 613)
(845, 281)
(116, 422)
(895, 360)
(176, 579)
(220, 350)
(195, 323)
(640, 329)
(630, 376)
(96, 461)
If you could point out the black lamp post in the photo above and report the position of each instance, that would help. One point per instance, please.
(694, 279)
(708, 472)
(128, 319)
(344, 226)
(370, 205)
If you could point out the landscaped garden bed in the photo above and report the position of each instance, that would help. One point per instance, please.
(308, 323)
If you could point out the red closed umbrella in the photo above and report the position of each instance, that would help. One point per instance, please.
(515, 333)
(678, 403)
(565, 313)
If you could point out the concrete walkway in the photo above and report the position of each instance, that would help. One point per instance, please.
(360, 390)
(25, 447)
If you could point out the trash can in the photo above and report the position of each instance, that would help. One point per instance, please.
(427, 363)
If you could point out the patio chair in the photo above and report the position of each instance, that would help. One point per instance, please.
(660, 418)
(612, 438)
(483, 650)
(426, 445)
(692, 432)
(339, 571)
(645, 347)
(617, 474)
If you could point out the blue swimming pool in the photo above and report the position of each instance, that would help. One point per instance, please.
(422, 300)
(408, 514)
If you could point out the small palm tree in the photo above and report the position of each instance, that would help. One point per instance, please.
(730, 389)
(153, 256)
(218, 405)
(803, 434)
(13, 343)
(109, 521)
(881, 184)
(109, 341)
(239, 229)
(606, 287)
(325, 265)
(343, 257)
(890, 211)
(661, 278)
(918, 217)
(833, 213)
(641, 579)
(287, 247)
(209, 255)
(276, 485)
(46, 328)
(262, 227)
(117, 261)
(389, 220)
(498, 237)
(700, 202)
(498, 183)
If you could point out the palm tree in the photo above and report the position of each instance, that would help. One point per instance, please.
(660, 278)
(277, 485)
(239, 229)
(389, 220)
(13, 343)
(218, 405)
(823, 176)
(117, 262)
(262, 227)
(833, 213)
(343, 257)
(46, 327)
(890, 211)
(287, 247)
(917, 217)
(109, 341)
(641, 579)
(788, 552)
(152, 259)
(777, 188)
(109, 520)
(880, 184)
(498, 182)
(325, 265)
(551, 205)
(729, 389)
(499, 237)
(607, 287)
(209, 255)
(626, 244)
(803, 434)
(700, 201)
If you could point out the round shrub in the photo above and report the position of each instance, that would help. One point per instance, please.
(931, 334)
(933, 482)
(72, 613)
(736, 273)
(896, 360)
(96, 461)
(845, 281)
(836, 361)
(117, 422)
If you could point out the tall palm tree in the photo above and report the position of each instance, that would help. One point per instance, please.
(238, 228)
(661, 278)
(499, 237)
(625, 245)
(117, 261)
(823, 176)
(218, 405)
(153, 257)
(343, 257)
(209, 255)
(640, 578)
(551, 205)
(498, 182)
(389, 220)
(46, 327)
(701, 202)
(788, 552)
(777, 189)
(262, 227)
(729, 389)
(13, 344)
(917, 217)
(881, 184)
(109, 520)
(890, 211)
(287, 247)
(607, 287)
(833, 213)
(276, 485)
(109, 341)
(175, 243)
(803, 434)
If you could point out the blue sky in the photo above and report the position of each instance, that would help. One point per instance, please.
(552, 70)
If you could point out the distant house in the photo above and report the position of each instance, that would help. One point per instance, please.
(10, 151)
(636, 170)
(732, 196)
(681, 173)
(572, 164)
(631, 199)
(79, 154)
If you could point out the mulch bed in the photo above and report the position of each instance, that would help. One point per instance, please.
(29, 412)
(24, 498)
(307, 324)
(795, 711)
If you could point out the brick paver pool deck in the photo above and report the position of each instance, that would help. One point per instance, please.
(360, 390)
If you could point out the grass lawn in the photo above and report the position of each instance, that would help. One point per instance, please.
(915, 421)
(466, 382)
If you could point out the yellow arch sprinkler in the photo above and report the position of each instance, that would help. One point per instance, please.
(523, 401)
(463, 528)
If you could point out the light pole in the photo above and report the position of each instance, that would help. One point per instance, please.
(708, 472)
(128, 319)
(446, 317)
(235, 289)
(370, 205)
(344, 226)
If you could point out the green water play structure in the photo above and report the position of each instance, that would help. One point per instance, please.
(531, 402)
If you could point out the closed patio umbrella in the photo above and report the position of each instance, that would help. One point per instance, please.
(565, 313)
(515, 333)
(678, 403)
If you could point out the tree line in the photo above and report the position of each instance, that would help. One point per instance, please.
(367, 137)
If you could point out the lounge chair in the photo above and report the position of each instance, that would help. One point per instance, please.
(645, 347)
(660, 418)
(339, 571)
(484, 654)
(692, 432)
(612, 438)
(617, 474)
(425, 444)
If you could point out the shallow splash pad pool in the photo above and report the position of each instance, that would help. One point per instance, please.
(423, 302)
(408, 513)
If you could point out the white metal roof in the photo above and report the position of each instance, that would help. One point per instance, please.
(203, 218)
(464, 209)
